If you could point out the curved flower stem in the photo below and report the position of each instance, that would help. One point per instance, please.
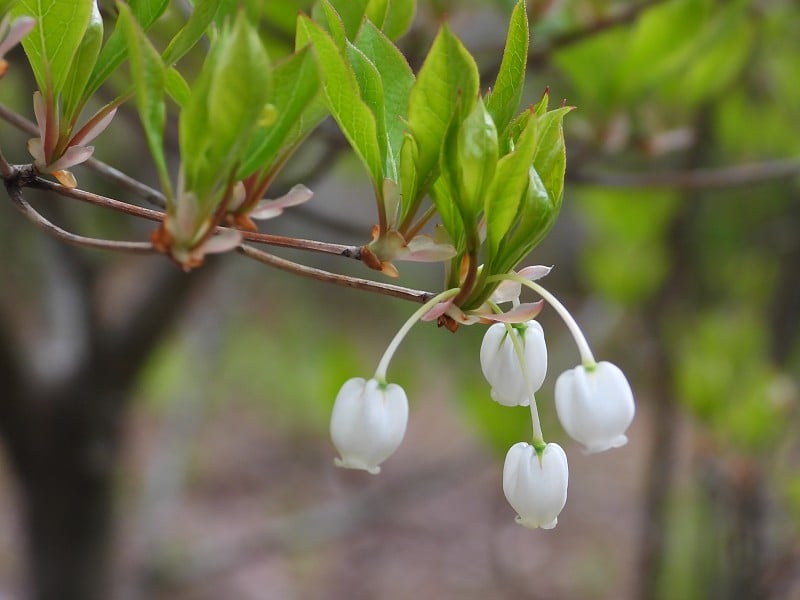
(383, 365)
(587, 358)
(538, 437)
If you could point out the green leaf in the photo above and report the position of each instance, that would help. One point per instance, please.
(510, 183)
(82, 65)
(235, 102)
(53, 42)
(393, 17)
(371, 86)
(446, 88)
(335, 25)
(351, 12)
(442, 198)
(505, 97)
(176, 87)
(218, 121)
(397, 78)
(343, 98)
(407, 171)
(550, 160)
(537, 214)
(147, 71)
(399, 16)
(145, 12)
(201, 18)
(295, 87)
(376, 12)
(477, 158)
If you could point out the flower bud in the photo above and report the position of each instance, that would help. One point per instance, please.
(536, 485)
(502, 368)
(368, 423)
(595, 406)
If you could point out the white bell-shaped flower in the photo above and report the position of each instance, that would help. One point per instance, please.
(536, 486)
(502, 368)
(368, 423)
(595, 406)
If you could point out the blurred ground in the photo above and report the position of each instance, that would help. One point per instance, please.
(267, 517)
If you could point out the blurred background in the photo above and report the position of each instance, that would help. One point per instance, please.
(166, 435)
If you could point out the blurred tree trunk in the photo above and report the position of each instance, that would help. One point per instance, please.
(66, 469)
(60, 421)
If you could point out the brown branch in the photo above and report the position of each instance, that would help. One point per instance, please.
(76, 240)
(40, 221)
(17, 120)
(367, 285)
(96, 199)
(150, 195)
(343, 250)
(695, 179)
(6, 170)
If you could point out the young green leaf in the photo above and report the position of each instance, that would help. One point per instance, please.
(407, 171)
(202, 16)
(235, 103)
(351, 12)
(536, 215)
(343, 98)
(148, 75)
(220, 117)
(448, 212)
(507, 188)
(376, 12)
(176, 86)
(542, 200)
(504, 99)
(550, 160)
(335, 24)
(397, 78)
(371, 85)
(295, 88)
(477, 158)
(82, 65)
(54, 40)
(145, 12)
(399, 15)
(446, 89)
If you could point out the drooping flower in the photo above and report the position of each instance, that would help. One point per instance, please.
(368, 423)
(595, 405)
(535, 484)
(514, 378)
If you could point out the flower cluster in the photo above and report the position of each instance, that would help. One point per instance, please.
(593, 400)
